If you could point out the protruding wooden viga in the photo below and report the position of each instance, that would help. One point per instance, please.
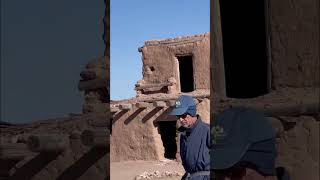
(99, 137)
(47, 142)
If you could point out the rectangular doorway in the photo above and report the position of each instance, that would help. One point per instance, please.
(246, 47)
(168, 134)
(186, 73)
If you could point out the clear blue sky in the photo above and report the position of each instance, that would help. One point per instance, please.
(133, 22)
(44, 47)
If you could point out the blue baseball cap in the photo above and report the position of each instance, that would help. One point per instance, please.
(184, 104)
(243, 134)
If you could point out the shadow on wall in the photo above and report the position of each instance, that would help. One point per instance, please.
(83, 164)
(39, 162)
(148, 116)
(34, 166)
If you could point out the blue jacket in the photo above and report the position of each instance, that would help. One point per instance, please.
(194, 149)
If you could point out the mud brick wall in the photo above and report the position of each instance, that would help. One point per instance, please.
(160, 59)
(295, 114)
(295, 43)
(298, 146)
(135, 134)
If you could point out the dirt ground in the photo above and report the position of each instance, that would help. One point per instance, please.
(156, 170)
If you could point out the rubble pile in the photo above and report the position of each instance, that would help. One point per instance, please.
(157, 175)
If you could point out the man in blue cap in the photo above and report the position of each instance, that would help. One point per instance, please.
(243, 147)
(194, 140)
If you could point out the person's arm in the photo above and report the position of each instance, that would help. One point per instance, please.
(208, 139)
(182, 160)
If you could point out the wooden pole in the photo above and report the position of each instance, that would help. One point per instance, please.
(274, 110)
(218, 85)
(143, 86)
(171, 98)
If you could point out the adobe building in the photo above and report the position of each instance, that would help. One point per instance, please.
(265, 55)
(176, 65)
(269, 62)
(141, 127)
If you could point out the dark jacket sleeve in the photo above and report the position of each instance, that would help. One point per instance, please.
(208, 138)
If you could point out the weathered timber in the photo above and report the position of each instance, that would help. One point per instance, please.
(274, 110)
(152, 99)
(171, 103)
(114, 109)
(142, 105)
(125, 106)
(159, 104)
(159, 85)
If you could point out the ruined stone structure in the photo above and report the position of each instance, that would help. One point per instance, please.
(94, 83)
(292, 96)
(175, 65)
(74, 147)
(141, 127)
(55, 149)
(288, 91)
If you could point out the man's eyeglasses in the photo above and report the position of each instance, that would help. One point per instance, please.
(182, 116)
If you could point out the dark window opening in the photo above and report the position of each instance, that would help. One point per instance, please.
(245, 48)
(186, 73)
(168, 137)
